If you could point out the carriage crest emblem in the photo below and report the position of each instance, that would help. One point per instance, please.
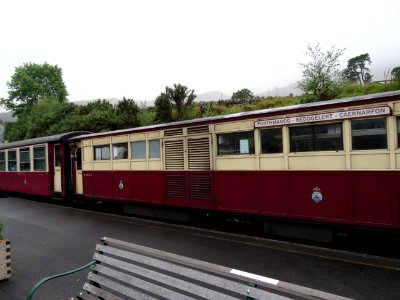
(121, 185)
(317, 195)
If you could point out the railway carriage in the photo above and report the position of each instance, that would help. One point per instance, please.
(40, 166)
(320, 164)
(304, 171)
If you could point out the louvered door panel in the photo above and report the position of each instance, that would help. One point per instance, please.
(200, 186)
(174, 155)
(199, 153)
(175, 186)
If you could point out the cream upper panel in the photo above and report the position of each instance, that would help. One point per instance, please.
(120, 164)
(345, 158)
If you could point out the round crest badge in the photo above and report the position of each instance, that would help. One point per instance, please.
(317, 195)
(121, 185)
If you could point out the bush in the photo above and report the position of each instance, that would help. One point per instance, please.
(352, 90)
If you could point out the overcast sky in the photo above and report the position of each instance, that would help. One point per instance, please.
(111, 49)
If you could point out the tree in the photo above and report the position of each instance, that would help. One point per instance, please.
(242, 95)
(163, 108)
(41, 120)
(321, 78)
(181, 97)
(98, 116)
(127, 113)
(357, 69)
(33, 82)
(395, 73)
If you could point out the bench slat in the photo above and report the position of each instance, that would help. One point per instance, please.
(120, 288)
(242, 288)
(196, 290)
(83, 295)
(100, 292)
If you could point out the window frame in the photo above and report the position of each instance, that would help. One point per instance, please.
(12, 160)
(159, 148)
(386, 142)
(41, 158)
(133, 153)
(261, 140)
(398, 131)
(24, 162)
(314, 138)
(235, 136)
(101, 147)
(115, 146)
(3, 161)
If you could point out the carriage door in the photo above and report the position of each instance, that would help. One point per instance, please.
(57, 168)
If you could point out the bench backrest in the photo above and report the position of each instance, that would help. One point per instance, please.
(128, 271)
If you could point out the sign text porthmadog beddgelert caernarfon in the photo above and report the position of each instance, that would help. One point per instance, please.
(340, 115)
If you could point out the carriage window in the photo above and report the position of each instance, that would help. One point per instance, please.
(369, 134)
(327, 137)
(271, 140)
(39, 159)
(2, 161)
(138, 150)
(398, 132)
(57, 153)
(79, 159)
(236, 143)
(24, 159)
(154, 149)
(102, 152)
(12, 160)
(120, 151)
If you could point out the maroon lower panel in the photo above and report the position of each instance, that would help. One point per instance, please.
(34, 183)
(124, 185)
(348, 197)
(374, 198)
(334, 203)
(237, 191)
(367, 198)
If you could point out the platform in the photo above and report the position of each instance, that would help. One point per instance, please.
(48, 239)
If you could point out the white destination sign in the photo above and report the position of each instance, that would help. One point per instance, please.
(340, 115)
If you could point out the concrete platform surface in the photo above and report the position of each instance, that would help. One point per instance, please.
(47, 239)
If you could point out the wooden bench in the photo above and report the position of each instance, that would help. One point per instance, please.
(124, 270)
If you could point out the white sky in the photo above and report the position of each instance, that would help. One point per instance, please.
(111, 49)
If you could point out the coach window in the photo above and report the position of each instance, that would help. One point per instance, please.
(24, 159)
(12, 160)
(39, 159)
(398, 132)
(102, 152)
(57, 153)
(271, 140)
(138, 150)
(154, 149)
(2, 161)
(79, 159)
(369, 134)
(236, 143)
(327, 137)
(120, 151)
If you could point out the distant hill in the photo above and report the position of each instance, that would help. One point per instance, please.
(211, 96)
(282, 91)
